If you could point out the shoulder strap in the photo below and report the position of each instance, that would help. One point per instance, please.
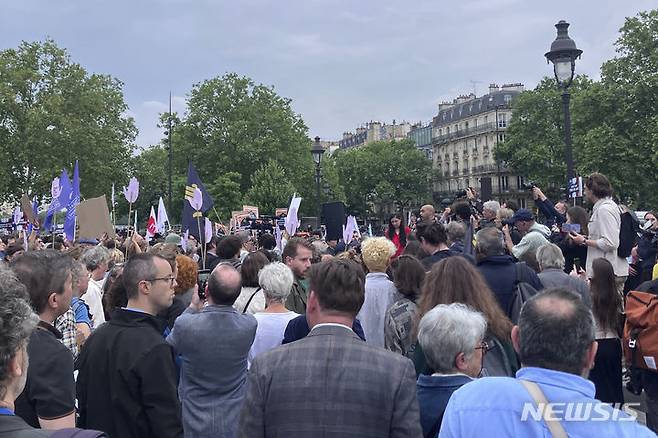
(249, 302)
(518, 266)
(554, 426)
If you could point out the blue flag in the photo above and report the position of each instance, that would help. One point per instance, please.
(69, 223)
(60, 202)
(35, 210)
(189, 218)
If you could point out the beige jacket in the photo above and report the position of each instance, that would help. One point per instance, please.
(604, 229)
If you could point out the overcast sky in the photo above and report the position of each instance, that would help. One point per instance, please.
(342, 62)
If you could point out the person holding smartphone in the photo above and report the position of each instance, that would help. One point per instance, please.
(575, 225)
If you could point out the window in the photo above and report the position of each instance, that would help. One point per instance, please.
(521, 203)
(501, 137)
(504, 183)
(519, 182)
(486, 119)
(448, 130)
(502, 120)
(508, 99)
(466, 126)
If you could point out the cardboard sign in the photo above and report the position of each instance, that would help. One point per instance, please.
(279, 211)
(250, 209)
(94, 219)
(26, 206)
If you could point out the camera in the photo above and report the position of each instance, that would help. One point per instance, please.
(460, 194)
(529, 185)
(202, 281)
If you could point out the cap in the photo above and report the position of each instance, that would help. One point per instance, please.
(522, 214)
(173, 239)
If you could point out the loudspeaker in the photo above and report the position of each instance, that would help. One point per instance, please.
(485, 189)
(334, 219)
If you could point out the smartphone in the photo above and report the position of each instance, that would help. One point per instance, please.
(202, 280)
(568, 228)
(577, 264)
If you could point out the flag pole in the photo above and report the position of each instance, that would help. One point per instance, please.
(54, 227)
(201, 238)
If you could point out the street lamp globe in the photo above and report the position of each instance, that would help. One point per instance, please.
(317, 150)
(563, 55)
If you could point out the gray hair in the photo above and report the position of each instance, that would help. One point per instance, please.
(505, 213)
(78, 271)
(447, 330)
(489, 241)
(456, 231)
(550, 256)
(17, 319)
(491, 205)
(276, 280)
(555, 331)
(94, 257)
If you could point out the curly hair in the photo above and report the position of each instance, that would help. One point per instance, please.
(17, 321)
(188, 272)
(376, 253)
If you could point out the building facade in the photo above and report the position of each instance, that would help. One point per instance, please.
(422, 136)
(465, 133)
(374, 131)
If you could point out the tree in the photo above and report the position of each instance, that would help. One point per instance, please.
(270, 188)
(53, 112)
(234, 125)
(382, 174)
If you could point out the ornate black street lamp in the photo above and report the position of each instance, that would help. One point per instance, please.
(317, 150)
(563, 55)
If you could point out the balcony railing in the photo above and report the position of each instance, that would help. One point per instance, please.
(485, 127)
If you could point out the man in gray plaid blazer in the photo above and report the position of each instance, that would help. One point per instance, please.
(331, 383)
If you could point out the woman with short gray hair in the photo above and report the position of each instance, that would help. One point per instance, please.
(276, 281)
(96, 260)
(451, 336)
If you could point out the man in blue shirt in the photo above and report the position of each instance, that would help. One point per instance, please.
(555, 342)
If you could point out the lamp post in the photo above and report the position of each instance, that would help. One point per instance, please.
(317, 150)
(563, 55)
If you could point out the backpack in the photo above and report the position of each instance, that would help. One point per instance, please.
(627, 233)
(522, 293)
(641, 330)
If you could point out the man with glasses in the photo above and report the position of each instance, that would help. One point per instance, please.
(127, 381)
(451, 337)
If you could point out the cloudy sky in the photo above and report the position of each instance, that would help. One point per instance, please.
(342, 62)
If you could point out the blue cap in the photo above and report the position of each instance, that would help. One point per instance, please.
(522, 214)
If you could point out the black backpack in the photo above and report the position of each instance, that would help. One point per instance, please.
(522, 292)
(627, 233)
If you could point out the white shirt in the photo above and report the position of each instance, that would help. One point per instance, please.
(380, 295)
(270, 331)
(94, 299)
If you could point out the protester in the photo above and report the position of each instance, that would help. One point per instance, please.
(427, 214)
(555, 342)
(349, 387)
(18, 323)
(186, 280)
(96, 259)
(297, 255)
(434, 240)
(455, 280)
(170, 254)
(606, 307)
(452, 338)
(397, 233)
(647, 247)
(489, 214)
(456, 232)
(504, 217)
(380, 292)
(555, 214)
(551, 263)
(499, 270)
(275, 280)
(114, 293)
(48, 400)
(604, 226)
(574, 254)
(228, 250)
(252, 297)
(408, 276)
(534, 234)
(126, 384)
(214, 342)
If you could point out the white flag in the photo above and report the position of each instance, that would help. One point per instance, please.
(209, 230)
(162, 217)
(292, 221)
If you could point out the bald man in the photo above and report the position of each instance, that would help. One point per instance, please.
(427, 214)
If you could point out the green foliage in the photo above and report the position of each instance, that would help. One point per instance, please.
(383, 173)
(53, 112)
(614, 121)
(270, 188)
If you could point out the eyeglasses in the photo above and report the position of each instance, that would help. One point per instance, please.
(170, 279)
(484, 347)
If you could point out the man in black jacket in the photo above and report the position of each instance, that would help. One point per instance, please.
(127, 381)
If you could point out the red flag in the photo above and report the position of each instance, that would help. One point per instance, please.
(151, 225)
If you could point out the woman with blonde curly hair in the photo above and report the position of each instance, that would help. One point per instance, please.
(376, 254)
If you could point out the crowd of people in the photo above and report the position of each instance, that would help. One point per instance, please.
(460, 323)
